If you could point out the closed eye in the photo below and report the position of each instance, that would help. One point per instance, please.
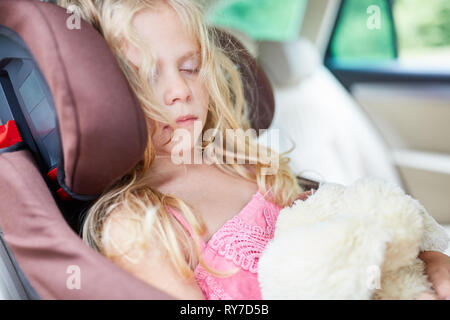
(190, 70)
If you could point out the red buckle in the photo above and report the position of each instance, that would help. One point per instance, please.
(9, 135)
(63, 195)
(54, 178)
(52, 175)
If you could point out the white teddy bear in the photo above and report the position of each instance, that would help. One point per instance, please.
(355, 242)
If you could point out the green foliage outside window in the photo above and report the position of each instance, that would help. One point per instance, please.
(422, 24)
(273, 20)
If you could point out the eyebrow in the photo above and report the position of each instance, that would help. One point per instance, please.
(188, 55)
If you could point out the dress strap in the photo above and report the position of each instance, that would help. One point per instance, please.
(185, 225)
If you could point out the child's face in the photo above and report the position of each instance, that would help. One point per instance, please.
(177, 85)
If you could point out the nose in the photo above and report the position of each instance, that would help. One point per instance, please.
(176, 89)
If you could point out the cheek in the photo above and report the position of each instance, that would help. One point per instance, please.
(203, 100)
(160, 137)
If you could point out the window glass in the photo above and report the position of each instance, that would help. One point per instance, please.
(270, 20)
(364, 32)
(423, 31)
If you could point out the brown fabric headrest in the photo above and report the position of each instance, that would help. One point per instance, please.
(102, 127)
(257, 88)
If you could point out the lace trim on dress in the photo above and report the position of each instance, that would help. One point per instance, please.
(209, 286)
(243, 243)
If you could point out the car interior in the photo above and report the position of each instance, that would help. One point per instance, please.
(63, 96)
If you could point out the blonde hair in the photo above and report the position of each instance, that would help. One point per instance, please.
(130, 195)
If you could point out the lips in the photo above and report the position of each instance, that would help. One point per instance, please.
(183, 121)
(186, 118)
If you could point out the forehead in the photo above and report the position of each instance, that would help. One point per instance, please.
(164, 32)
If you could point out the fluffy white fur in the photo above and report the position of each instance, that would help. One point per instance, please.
(350, 242)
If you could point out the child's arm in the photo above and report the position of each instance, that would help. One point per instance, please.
(148, 264)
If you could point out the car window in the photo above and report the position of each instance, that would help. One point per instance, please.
(261, 19)
(402, 31)
(364, 32)
(423, 32)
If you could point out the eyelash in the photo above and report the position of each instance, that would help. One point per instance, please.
(191, 71)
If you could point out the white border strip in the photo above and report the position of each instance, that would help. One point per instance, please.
(429, 161)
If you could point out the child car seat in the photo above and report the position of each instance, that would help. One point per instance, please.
(71, 127)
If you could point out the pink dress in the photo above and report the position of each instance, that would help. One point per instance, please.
(238, 244)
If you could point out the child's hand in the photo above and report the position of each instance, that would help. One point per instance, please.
(305, 195)
(437, 267)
